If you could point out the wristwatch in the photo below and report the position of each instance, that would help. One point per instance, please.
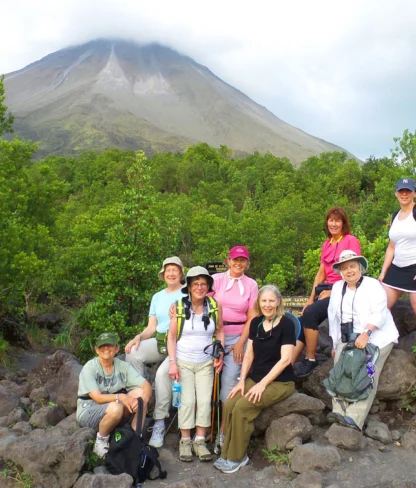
(117, 399)
(368, 332)
(240, 378)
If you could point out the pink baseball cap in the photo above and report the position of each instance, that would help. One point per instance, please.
(239, 252)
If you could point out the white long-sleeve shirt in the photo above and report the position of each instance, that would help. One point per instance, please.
(370, 308)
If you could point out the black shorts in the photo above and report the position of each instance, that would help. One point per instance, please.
(401, 278)
(315, 314)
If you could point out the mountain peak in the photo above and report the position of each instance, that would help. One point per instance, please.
(115, 93)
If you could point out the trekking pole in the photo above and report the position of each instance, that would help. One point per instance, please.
(213, 404)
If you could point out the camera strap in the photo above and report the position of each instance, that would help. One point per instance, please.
(344, 289)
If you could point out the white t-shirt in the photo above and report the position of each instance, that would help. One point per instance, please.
(194, 339)
(403, 234)
(349, 313)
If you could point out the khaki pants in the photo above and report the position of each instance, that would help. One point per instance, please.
(147, 353)
(358, 411)
(240, 415)
(196, 381)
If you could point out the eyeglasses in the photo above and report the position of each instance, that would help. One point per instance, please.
(199, 285)
(268, 334)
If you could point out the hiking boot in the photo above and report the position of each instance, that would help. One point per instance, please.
(201, 450)
(158, 436)
(304, 368)
(232, 466)
(101, 446)
(185, 450)
(349, 422)
(220, 463)
(219, 442)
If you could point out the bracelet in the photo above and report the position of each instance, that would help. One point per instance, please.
(172, 359)
(117, 398)
(240, 378)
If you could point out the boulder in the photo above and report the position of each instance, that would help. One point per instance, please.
(5, 432)
(68, 425)
(104, 481)
(345, 438)
(39, 395)
(409, 441)
(48, 416)
(313, 383)
(296, 403)
(324, 339)
(23, 428)
(404, 317)
(407, 342)
(8, 401)
(19, 390)
(312, 456)
(6, 442)
(17, 415)
(59, 374)
(379, 432)
(283, 430)
(397, 377)
(49, 320)
(195, 482)
(52, 461)
(309, 479)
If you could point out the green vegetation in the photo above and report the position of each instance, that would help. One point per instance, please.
(90, 232)
(15, 472)
(277, 455)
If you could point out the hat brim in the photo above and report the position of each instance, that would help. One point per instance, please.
(210, 279)
(105, 343)
(161, 274)
(360, 259)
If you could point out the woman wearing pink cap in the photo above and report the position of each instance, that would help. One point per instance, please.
(237, 295)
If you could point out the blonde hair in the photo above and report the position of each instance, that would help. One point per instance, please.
(273, 289)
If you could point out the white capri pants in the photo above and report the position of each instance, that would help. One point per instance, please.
(147, 353)
(196, 380)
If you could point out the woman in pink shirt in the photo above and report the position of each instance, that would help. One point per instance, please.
(237, 295)
(315, 311)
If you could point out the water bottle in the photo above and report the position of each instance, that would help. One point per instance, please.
(176, 394)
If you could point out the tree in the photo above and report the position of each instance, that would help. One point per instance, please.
(6, 119)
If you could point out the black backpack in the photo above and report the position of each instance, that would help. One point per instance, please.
(129, 453)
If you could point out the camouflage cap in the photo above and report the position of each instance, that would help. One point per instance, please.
(107, 338)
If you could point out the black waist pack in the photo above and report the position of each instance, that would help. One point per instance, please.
(129, 453)
(322, 287)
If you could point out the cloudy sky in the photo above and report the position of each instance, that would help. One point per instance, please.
(341, 71)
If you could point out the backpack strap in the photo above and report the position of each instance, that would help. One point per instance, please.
(213, 310)
(183, 312)
(394, 214)
(153, 454)
(140, 419)
(296, 323)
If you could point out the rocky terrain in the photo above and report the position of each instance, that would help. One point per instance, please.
(41, 443)
(110, 93)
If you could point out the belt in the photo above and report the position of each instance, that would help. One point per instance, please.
(225, 322)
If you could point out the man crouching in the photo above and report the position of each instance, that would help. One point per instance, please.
(108, 391)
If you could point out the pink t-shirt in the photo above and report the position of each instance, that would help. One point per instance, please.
(330, 255)
(234, 305)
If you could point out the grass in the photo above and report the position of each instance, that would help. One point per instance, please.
(277, 455)
(6, 359)
(15, 472)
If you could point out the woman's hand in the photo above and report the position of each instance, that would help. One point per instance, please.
(218, 364)
(238, 352)
(382, 275)
(309, 302)
(134, 343)
(324, 294)
(362, 340)
(254, 393)
(129, 402)
(174, 371)
(239, 387)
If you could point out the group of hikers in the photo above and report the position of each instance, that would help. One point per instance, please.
(260, 345)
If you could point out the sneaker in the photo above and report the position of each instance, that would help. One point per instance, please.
(305, 368)
(185, 450)
(219, 442)
(220, 462)
(158, 436)
(349, 422)
(232, 466)
(200, 449)
(101, 446)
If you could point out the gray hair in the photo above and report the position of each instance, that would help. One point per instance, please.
(273, 289)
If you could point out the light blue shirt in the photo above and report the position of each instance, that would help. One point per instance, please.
(160, 305)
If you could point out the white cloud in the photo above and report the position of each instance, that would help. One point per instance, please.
(341, 71)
